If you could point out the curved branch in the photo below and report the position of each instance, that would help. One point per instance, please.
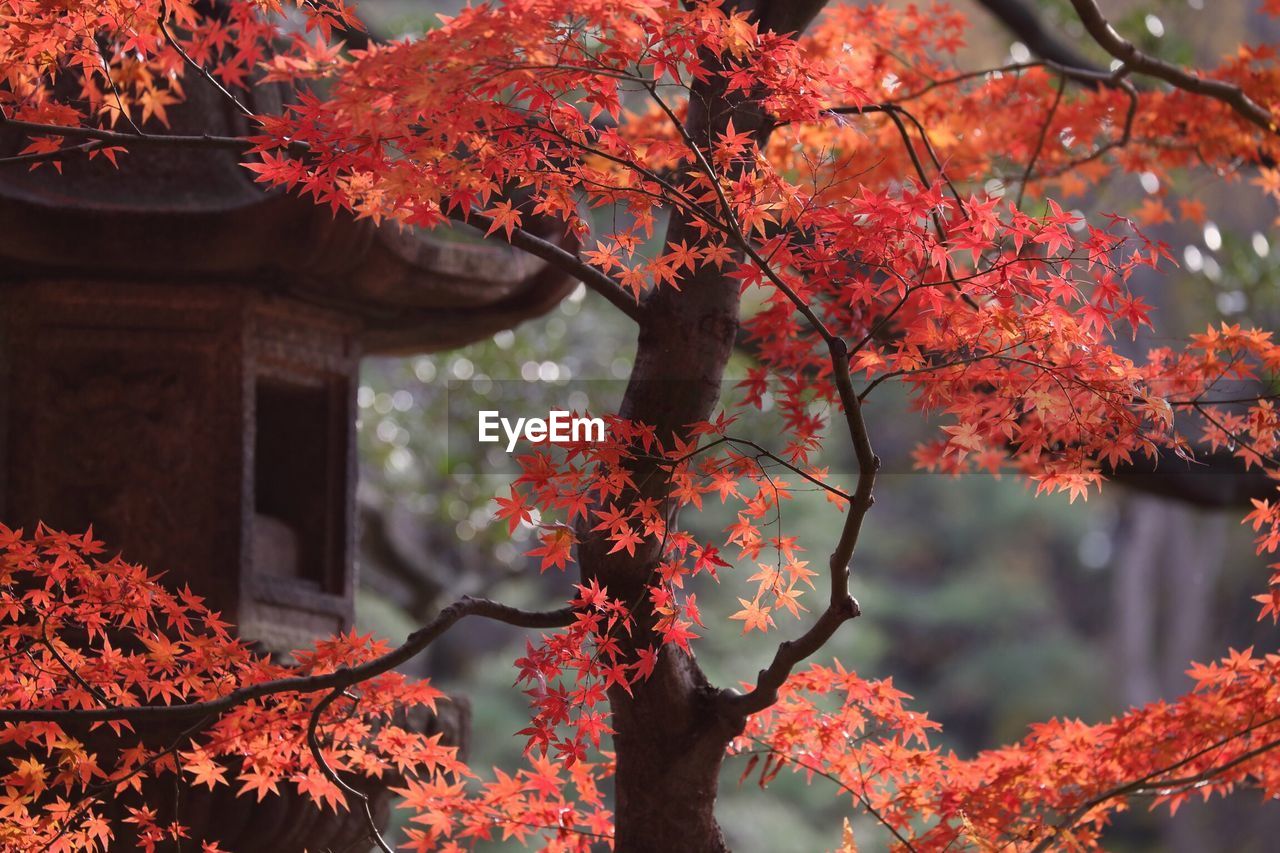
(313, 743)
(565, 262)
(842, 606)
(336, 680)
(1127, 52)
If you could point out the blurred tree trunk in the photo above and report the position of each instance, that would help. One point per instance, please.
(1166, 569)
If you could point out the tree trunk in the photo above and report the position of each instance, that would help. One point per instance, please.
(669, 741)
(670, 745)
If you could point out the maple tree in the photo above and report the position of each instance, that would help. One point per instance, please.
(902, 218)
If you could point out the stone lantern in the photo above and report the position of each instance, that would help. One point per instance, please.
(179, 354)
(178, 363)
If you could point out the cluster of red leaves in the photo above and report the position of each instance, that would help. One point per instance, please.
(562, 806)
(1056, 789)
(890, 201)
(117, 64)
(565, 487)
(1013, 116)
(981, 307)
(589, 651)
(81, 632)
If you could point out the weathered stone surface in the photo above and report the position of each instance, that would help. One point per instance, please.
(187, 422)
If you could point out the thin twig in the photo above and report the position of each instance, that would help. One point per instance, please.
(106, 68)
(831, 777)
(1044, 133)
(200, 69)
(72, 671)
(313, 742)
(234, 143)
(761, 452)
(1147, 781)
(592, 277)
(49, 156)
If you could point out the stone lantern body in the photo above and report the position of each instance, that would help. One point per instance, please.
(205, 429)
(178, 363)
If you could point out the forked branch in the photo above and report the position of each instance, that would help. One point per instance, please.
(842, 606)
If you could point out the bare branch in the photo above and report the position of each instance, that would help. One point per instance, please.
(1044, 132)
(1127, 52)
(1083, 75)
(232, 143)
(120, 107)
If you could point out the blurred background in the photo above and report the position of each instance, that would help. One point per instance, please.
(993, 609)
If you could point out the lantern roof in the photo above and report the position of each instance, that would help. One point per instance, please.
(179, 214)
